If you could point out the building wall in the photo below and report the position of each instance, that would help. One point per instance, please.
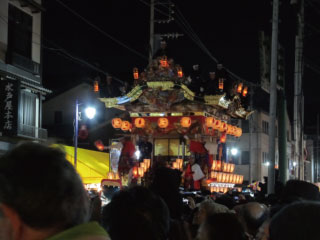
(260, 145)
(65, 103)
(3, 29)
(36, 29)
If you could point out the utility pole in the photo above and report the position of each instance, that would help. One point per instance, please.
(250, 135)
(298, 131)
(273, 95)
(317, 149)
(151, 30)
(282, 139)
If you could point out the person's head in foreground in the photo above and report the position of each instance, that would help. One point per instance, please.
(42, 196)
(298, 221)
(136, 213)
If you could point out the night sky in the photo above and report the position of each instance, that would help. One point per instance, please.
(228, 29)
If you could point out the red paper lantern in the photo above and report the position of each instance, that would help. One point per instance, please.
(125, 126)
(163, 122)
(164, 61)
(185, 122)
(96, 86)
(135, 74)
(245, 92)
(116, 122)
(180, 73)
(223, 127)
(229, 129)
(217, 124)
(209, 122)
(140, 122)
(239, 88)
(220, 83)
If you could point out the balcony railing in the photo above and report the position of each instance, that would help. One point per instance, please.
(32, 132)
(24, 63)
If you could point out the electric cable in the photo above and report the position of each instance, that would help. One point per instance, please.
(101, 31)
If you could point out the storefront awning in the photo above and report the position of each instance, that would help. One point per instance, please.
(92, 166)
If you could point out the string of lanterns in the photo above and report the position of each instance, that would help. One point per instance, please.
(163, 122)
(139, 171)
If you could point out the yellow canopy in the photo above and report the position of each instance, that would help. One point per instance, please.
(92, 166)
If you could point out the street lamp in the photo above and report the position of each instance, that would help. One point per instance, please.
(90, 113)
(234, 151)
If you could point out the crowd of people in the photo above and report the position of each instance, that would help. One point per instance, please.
(43, 197)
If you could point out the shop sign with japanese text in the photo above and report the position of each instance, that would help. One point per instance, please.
(9, 93)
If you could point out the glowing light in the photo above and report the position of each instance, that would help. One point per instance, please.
(137, 153)
(90, 112)
(234, 151)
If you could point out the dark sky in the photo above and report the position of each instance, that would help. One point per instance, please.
(229, 30)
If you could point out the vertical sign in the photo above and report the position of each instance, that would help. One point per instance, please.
(9, 92)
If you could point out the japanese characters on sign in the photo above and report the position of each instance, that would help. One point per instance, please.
(9, 93)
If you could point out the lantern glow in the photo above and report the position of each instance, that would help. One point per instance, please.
(163, 122)
(245, 92)
(125, 126)
(116, 122)
(185, 122)
(140, 122)
(239, 88)
(135, 74)
(96, 86)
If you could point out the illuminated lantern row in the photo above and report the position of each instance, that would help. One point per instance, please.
(178, 164)
(227, 177)
(222, 126)
(142, 169)
(123, 125)
(113, 176)
(219, 189)
(241, 89)
(217, 165)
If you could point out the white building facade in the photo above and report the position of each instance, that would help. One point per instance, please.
(20, 72)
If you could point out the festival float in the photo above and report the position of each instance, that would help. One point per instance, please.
(162, 108)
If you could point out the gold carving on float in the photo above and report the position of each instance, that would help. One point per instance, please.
(109, 102)
(188, 94)
(218, 100)
(162, 85)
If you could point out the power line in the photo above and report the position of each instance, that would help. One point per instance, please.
(203, 47)
(101, 31)
(64, 53)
